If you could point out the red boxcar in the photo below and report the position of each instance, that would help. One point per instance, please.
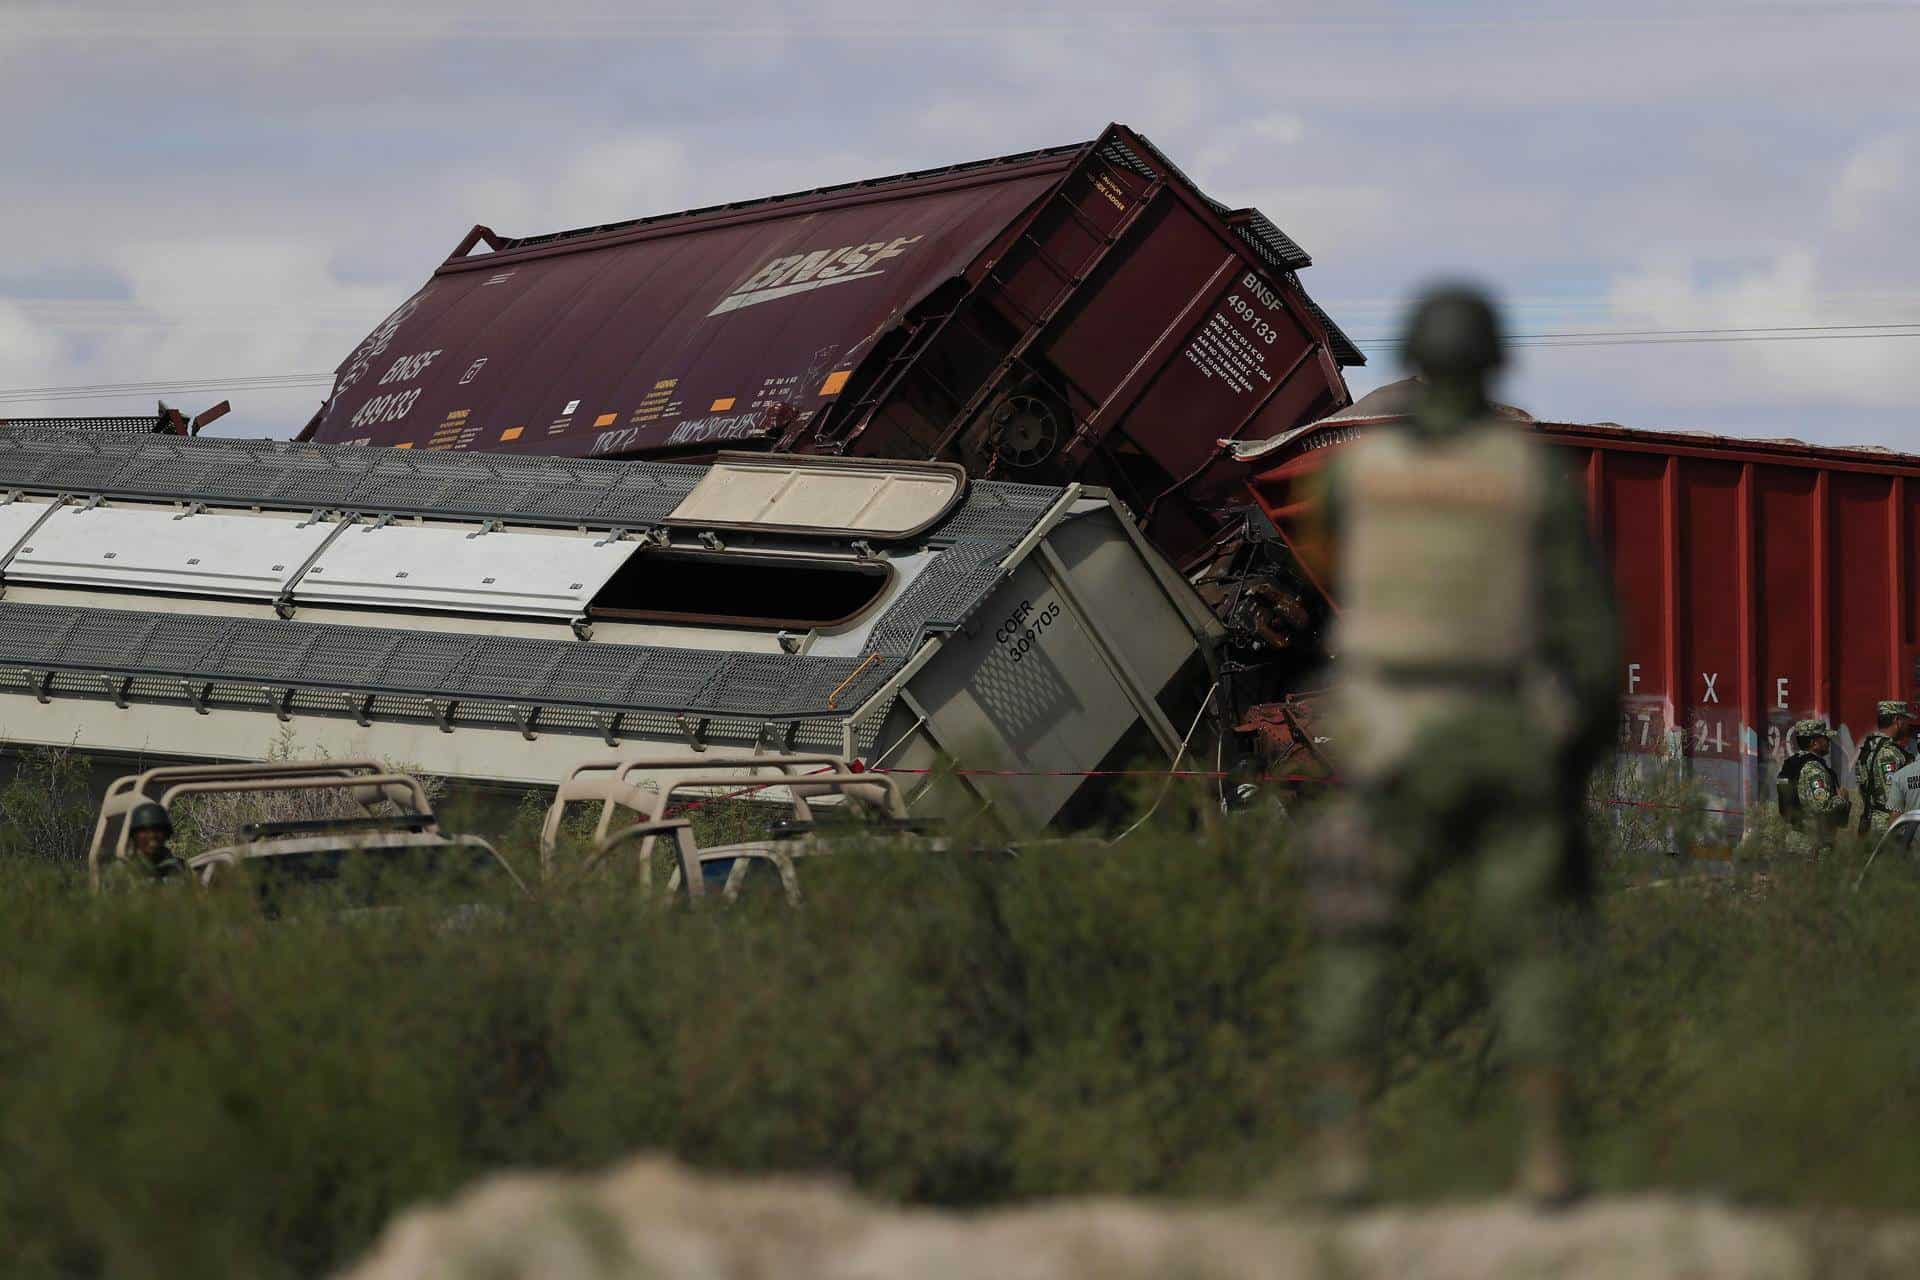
(1080, 313)
(1760, 581)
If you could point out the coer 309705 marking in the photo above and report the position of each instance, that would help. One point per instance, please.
(1021, 631)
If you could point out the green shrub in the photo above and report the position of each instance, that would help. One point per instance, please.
(47, 809)
(187, 1089)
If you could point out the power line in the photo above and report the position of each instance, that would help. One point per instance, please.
(1663, 342)
(186, 386)
(1669, 333)
(1658, 337)
(875, 21)
(1535, 341)
(109, 387)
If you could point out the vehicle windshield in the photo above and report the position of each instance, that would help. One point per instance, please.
(351, 879)
(761, 874)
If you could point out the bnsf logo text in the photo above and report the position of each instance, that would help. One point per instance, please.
(800, 272)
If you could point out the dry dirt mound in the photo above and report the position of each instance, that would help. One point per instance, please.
(652, 1219)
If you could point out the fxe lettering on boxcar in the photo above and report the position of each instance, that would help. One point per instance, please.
(800, 272)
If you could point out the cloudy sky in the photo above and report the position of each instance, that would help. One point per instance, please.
(205, 192)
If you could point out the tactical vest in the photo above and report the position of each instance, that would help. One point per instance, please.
(1864, 762)
(1786, 788)
(1437, 550)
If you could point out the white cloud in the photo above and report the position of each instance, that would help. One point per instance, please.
(1329, 220)
(1175, 100)
(1832, 369)
(1281, 128)
(197, 308)
(634, 175)
(618, 178)
(28, 354)
(1837, 278)
(1648, 166)
(1877, 174)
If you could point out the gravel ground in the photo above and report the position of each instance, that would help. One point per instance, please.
(651, 1218)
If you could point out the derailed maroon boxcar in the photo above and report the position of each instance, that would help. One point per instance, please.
(1760, 581)
(1081, 313)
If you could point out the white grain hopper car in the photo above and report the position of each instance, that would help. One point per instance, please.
(500, 618)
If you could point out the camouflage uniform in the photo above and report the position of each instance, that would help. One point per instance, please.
(1821, 804)
(157, 864)
(1879, 759)
(138, 869)
(1475, 688)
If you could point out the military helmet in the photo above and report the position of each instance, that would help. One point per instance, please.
(150, 817)
(1454, 332)
(1811, 729)
(1893, 707)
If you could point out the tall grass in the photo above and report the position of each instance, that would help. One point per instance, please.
(186, 1089)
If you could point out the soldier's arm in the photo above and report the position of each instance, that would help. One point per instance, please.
(1876, 780)
(1817, 795)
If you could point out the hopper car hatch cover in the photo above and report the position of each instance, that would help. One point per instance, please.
(883, 502)
(154, 549)
(401, 566)
(309, 562)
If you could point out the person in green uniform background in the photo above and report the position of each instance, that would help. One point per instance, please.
(1884, 752)
(1811, 798)
(151, 860)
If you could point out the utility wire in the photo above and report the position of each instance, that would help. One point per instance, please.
(1662, 337)
(108, 388)
(1535, 341)
(874, 21)
(1665, 342)
(1671, 333)
(227, 386)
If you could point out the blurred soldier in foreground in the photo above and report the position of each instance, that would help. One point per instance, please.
(1810, 796)
(1475, 669)
(1885, 752)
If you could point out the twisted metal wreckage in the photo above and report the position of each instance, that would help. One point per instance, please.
(1002, 461)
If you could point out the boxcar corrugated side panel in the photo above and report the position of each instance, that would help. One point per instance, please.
(1759, 583)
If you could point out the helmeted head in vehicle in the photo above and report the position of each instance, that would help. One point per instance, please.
(149, 828)
(1812, 735)
(1454, 343)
